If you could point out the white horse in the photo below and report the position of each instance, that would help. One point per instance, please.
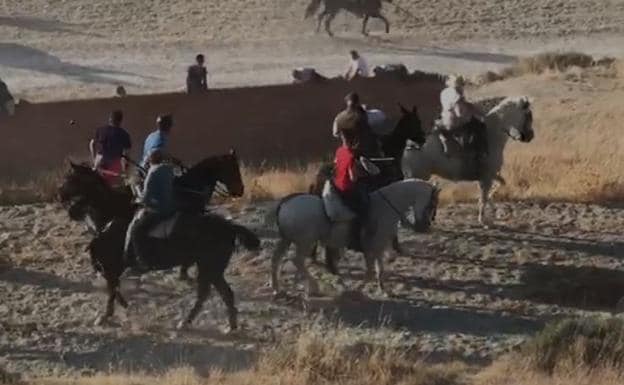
(302, 220)
(511, 118)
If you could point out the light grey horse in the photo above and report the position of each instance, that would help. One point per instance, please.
(511, 118)
(302, 221)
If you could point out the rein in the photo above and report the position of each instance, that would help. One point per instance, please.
(402, 216)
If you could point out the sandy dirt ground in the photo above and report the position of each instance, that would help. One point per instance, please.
(459, 293)
(81, 48)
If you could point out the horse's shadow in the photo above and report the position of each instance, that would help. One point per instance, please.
(422, 317)
(550, 242)
(140, 353)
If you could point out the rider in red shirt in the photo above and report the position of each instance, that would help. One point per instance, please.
(346, 181)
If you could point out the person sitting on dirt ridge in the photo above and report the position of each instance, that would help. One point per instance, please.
(196, 77)
(158, 204)
(108, 148)
(461, 121)
(357, 66)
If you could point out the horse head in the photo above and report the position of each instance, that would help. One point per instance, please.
(410, 126)
(517, 118)
(81, 185)
(223, 168)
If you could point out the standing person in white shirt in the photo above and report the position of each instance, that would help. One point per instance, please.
(357, 66)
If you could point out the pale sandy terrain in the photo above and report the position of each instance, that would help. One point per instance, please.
(83, 48)
(459, 293)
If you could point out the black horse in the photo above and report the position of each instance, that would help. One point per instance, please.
(409, 127)
(207, 241)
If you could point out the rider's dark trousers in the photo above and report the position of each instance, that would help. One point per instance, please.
(137, 234)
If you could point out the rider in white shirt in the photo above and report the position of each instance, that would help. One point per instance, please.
(357, 66)
(456, 111)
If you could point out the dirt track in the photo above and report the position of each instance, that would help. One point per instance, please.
(460, 292)
(83, 48)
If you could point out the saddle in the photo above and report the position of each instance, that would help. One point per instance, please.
(335, 208)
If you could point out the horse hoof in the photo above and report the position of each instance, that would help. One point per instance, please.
(182, 325)
(101, 320)
(277, 294)
(230, 331)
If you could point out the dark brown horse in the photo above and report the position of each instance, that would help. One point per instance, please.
(207, 241)
(361, 8)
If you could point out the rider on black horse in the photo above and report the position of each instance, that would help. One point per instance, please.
(158, 204)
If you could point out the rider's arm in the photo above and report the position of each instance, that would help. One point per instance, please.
(353, 172)
(205, 79)
(335, 129)
(92, 150)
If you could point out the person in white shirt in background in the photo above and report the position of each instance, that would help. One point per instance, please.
(357, 66)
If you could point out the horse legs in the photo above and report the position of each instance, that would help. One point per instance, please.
(396, 246)
(321, 16)
(121, 300)
(112, 285)
(328, 20)
(300, 257)
(485, 186)
(379, 270)
(184, 273)
(278, 253)
(332, 256)
(227, 295)
(364, 23)
(203, 291)
(369, 259)
(386, 22)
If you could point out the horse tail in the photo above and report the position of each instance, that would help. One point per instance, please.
(312, 8)
(249, 240)
(270, 219)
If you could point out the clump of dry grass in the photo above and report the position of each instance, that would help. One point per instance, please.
(542, 63)
(574, 351)
(274, 183)
(38, 188)
(319, 354)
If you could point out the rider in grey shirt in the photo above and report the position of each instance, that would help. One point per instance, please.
(157, 199)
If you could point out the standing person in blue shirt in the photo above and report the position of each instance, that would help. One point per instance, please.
(158, 139)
